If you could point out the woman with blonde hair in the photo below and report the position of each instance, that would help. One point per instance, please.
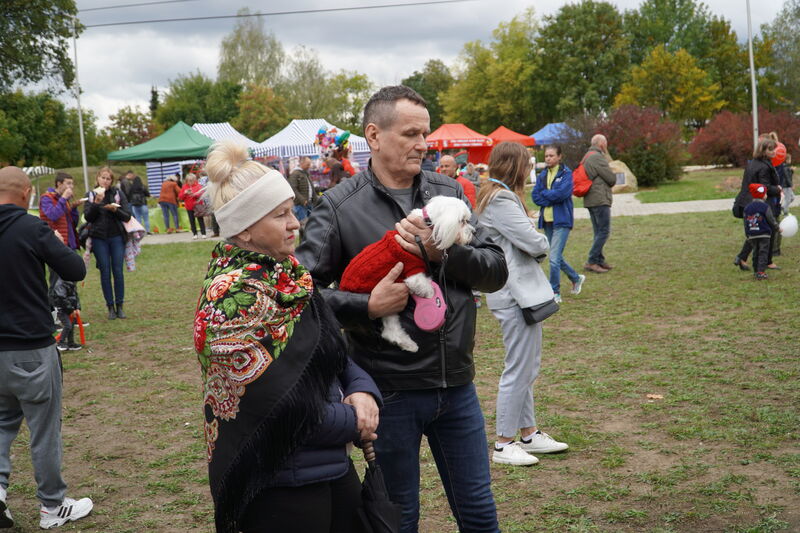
(281, 397)
(105, 210)
(520, 306)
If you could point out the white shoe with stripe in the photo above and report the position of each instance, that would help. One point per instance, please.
(5, 515)
(69, 510)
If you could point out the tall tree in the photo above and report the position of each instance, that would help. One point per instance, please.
(585, 57)
(37, 129)
(34, 41)
(195, 98)
(727, 64)
(249, 54)
(783, 33)
(305, 85)
(497, 83)
(129, 126)
(675, 24)
(433, 81)
(674, 84)
(261, 113)
(349, 93)
(153, 101)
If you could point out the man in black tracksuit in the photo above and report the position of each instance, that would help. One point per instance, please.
(429, 392)
(30, 367)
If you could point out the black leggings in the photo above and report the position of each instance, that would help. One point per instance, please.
(325, 507)
(200, 220)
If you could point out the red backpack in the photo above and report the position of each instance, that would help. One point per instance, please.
(580, 180)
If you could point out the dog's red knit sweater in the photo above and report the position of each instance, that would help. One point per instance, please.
(375, 261)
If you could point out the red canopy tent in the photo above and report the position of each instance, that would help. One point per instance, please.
(504, 134)
(449, 136)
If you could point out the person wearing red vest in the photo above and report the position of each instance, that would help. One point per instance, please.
(448, 167)
(59, 209)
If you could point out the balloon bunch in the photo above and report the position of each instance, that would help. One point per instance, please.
(325, 139)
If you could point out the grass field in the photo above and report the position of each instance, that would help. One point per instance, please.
(696, 185)
(719, 451)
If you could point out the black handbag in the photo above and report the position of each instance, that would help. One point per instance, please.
(538, 313)
(83, 233)
(737, 210)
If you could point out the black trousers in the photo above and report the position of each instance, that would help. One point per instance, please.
(747, 247)
(67, 331)
(200, 220)
(762, 250)
(325, 507)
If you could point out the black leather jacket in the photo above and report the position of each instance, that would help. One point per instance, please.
(357, 213)
(760, 171)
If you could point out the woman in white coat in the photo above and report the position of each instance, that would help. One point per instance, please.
(519, 306)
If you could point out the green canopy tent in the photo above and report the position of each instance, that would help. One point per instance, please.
(178, 142)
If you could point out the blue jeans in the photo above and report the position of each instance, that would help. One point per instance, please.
(166, 209)
(142, 214)
(601, 224)
(301, 212)
(109, 255)
(557, 237)
(453, 422)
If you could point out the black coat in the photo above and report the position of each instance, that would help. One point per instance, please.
(26, 245)
(760, 171)
(105, 223)
(357, 213)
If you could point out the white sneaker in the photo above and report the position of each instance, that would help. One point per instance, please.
(543, 443)
(557, 298)
(69, 510)
(194, 237)
(205, 236)
(512, 454)
(5, 515)
(578, 285)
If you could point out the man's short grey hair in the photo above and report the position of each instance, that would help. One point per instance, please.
(599, 140)
(380, 107)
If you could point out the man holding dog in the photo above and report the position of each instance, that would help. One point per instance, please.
(429, 392)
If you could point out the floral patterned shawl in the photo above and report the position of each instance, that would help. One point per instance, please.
(265, 377)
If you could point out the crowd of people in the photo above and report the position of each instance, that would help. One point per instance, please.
(294, 368)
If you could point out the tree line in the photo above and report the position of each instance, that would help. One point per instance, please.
(585, 62)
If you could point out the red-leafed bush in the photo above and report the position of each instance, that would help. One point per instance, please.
(647, 142)
(728, 138)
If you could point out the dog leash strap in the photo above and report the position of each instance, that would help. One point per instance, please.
(418, 240)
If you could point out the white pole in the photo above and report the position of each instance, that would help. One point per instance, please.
(80, 111)
(752, 78)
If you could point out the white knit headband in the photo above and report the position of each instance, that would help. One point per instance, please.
(253, 203)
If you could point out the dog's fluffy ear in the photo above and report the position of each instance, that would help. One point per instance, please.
(449, 217)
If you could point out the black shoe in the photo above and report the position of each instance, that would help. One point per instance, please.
(120, 312)
(741, 264)
(62, 346)
(112, 314)
(74, 346)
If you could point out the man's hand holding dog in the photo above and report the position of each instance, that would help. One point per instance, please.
(412, 226)
(389, 297)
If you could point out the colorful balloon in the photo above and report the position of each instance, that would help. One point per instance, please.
(780, 155)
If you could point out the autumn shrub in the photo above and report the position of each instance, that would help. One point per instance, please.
(728, 138)
(647, 142)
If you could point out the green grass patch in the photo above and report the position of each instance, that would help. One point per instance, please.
(717, 452)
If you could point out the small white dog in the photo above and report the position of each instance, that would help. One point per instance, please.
(449, 219)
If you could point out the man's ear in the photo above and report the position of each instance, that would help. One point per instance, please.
(26, 195)
(371, 133)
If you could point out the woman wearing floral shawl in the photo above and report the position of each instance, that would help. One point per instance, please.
(281, 398)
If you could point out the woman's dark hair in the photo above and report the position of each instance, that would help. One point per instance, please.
(555, 147)
(380, 107)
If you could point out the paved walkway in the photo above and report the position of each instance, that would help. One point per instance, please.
(624, 205)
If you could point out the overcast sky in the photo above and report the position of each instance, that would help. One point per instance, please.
(119, 64)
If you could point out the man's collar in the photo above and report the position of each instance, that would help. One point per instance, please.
(377, 182)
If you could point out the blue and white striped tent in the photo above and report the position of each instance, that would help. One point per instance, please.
(223, 131)
(297, 139)
(157, 172)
